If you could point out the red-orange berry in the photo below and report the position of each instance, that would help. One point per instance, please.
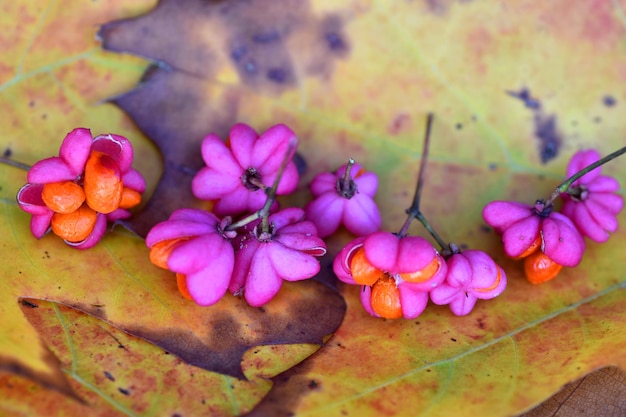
(75, 226)
(385, 298)
(363, 272)
(424, 274)
(103, 183)
(63, 197)
(539, 268)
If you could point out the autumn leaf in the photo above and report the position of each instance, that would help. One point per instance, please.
(55, 85)
(517, 88)
(116, 374)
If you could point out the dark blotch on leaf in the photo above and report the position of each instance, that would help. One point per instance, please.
(7, 153)
(609, 101)
(267, 37)
(108, 375)
(549, 137)
(29, 304)
(124, 391)
(335, 42)
(278, 75)
(526, 98)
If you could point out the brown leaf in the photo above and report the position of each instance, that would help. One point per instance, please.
(212, 55)
(601, 393)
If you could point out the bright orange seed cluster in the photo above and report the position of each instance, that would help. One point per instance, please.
(537, 266)
(385, 298)
(75, 208)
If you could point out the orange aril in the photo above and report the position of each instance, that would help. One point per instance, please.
(181, 280)
(161, 251)
(424, 274)
(363, 272)
(75, 226)
(63, 197)
(493, 286)
(385, 298)
(531, 249)
(103, 183)
(539, 268)
(130, 198)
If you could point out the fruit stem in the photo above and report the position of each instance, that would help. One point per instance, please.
(414, 210)
(13, 163)
(566, 184)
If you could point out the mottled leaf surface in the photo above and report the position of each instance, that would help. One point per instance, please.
(517, 88)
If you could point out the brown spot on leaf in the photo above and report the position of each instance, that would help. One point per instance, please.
(307, 315)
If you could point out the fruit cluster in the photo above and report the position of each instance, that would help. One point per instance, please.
(547, 240)
(76, 193)
(247, 245)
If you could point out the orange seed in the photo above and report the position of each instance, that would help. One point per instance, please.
(385, 298)
(181, 280)
(539, 268)
(130, 198)
(63, 197)
(75, 226)
(103, 183)
(425, 274)
(362, 270)
(161, 251)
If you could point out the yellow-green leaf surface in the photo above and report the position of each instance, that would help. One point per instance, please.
(512, 84)
(58, 80)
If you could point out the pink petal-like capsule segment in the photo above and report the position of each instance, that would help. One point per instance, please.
(40, 224)
(361, 215)
(290, 264)
(462, 304)
(398, 255)
(323, 183)
(446, 293)
(503, 214)
(119, 214)
(488, 279)
(580, 160)
(246, 250)
(174, 229)
(134, 180)
(75, 150)
(585, 222)
(367, 183)
(307, 243)
(437, 279)
(603, 214)
(603, 184)
(239, 201)
(199, 253)
(50, 170)
(518, 237)
(562, 242)
(263, 282)
(269, 149)
(286, 217)
(195, 215)
(29, 198)
(613, 203)
(412, 299)
(366, 300)
(342, 262)
(326, 212)
(459, 271)
(117, 147)
(208, 285)
(242, 139)
(95, 236)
